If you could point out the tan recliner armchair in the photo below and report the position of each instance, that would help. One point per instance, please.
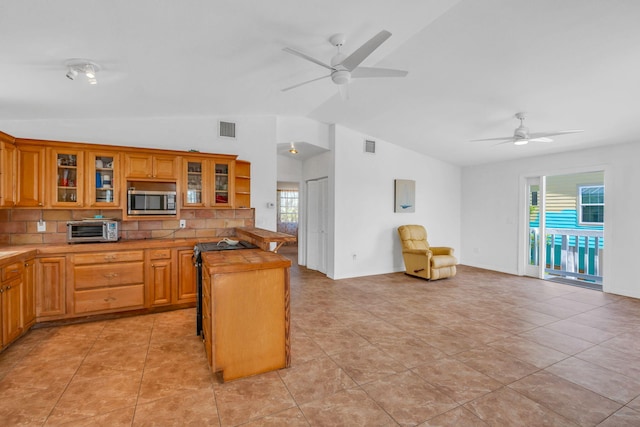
(422, 260)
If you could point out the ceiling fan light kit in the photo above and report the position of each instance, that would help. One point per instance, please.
(344, 68)
(85, 67)
(522, 136)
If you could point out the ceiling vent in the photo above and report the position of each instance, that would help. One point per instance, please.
(227, 129)
(369, 146)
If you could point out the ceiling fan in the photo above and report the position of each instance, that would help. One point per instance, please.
(522, 136)
(343, 68)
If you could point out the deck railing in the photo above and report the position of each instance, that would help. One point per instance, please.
(575, 253)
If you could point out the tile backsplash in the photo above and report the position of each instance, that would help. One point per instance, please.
(19, 226)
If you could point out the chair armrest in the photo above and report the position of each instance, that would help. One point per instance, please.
(416, 251)
(441, 250)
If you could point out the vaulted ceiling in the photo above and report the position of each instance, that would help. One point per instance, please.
(570, 64)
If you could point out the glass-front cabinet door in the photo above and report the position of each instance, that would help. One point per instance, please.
(222, 194)
(194, 170)
(103, 180)
(67, 178)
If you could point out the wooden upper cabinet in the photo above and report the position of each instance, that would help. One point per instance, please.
(8, 153)
(194, 182)
(208, 182)
(143, 165)
(30, 176)
(222, 184)
(65, 176)
(103, 179)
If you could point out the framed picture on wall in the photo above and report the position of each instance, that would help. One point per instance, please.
(405, 195)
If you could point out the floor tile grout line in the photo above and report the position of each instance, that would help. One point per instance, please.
(75, 372)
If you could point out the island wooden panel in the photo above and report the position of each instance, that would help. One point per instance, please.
(246, 312)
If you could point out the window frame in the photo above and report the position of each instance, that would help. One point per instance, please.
(581, 205)
(281, 206)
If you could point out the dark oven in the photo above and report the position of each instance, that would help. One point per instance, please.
(198, 249)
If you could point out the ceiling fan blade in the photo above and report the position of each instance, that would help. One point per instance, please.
(560, 132)
(304, 83)
(307, 57)
(353, 60)
(344, 91)
(503, 138)
(363, 72)
(541, 139)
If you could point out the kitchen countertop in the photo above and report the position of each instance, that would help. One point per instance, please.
(264, 238)
(14, 254)
(243, 260)
(257, 236)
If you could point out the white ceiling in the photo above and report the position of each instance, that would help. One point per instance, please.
(570, 64)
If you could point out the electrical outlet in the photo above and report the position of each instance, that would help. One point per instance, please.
(42, 226)
(183, 223)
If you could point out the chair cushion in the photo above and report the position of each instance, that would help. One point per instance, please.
(413, 237)
(440, 261)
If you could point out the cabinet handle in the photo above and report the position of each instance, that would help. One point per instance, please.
(7, 288)
(109, 257)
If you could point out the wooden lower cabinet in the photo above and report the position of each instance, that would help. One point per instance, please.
(10, 301)
(160, 275)
(51, 288)
(186, 288)
(87, 283)
(29, 293)
(16, 300)
(105, 282)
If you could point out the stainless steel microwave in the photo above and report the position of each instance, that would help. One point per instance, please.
(151, 202)
(92, 231)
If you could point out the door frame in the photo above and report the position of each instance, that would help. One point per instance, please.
(524, 268)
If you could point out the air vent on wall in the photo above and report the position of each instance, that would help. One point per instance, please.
(227, 129)
(369, 146)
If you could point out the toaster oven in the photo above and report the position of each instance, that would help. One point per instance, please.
(92, 231)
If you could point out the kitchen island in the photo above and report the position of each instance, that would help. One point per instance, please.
(245, 312)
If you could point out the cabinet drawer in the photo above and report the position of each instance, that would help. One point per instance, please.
(108, 299)
(160, 253)
(102, 275)
(102, 257)
(12, 270)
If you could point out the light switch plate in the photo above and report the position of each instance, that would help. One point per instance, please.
(42, 226)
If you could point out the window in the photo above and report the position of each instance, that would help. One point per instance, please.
(591, 201)
(288, 206)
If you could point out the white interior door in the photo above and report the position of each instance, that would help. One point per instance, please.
(317, 224)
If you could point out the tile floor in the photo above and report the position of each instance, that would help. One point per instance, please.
(480, 349)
